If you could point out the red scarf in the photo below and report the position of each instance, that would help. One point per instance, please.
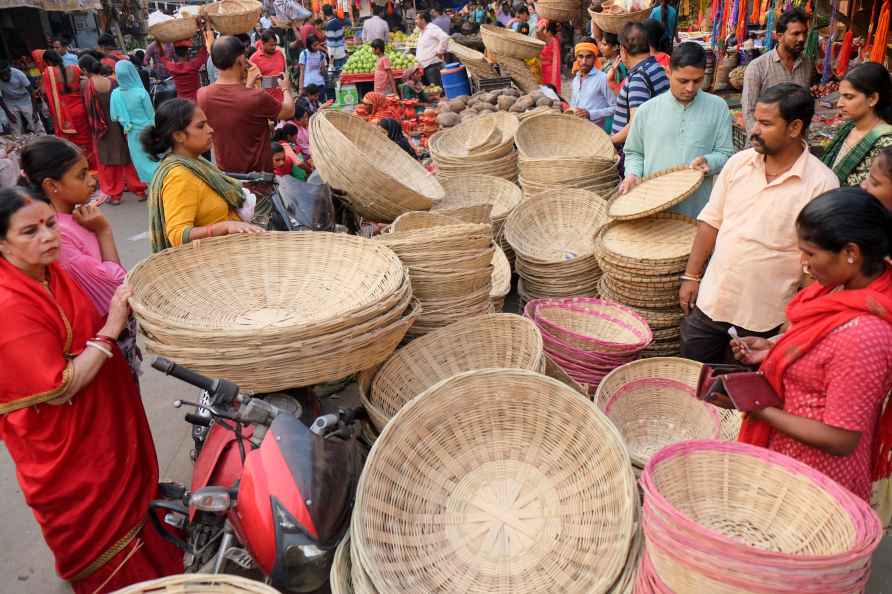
(813, 314)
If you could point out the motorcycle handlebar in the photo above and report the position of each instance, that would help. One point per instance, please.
(168, 367)
(254, 176)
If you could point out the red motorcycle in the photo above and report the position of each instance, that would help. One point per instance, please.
(269, 495)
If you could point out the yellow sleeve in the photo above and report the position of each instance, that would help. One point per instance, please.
(180, 196)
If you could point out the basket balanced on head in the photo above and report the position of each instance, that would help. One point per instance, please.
(381, 180)
(274, 311)
(495, 480)
(232, 17)
(505, 42)
(493, 340)
(731, 518)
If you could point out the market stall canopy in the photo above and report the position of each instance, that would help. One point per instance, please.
(53, 5)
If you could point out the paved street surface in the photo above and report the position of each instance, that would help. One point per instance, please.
(26, 564)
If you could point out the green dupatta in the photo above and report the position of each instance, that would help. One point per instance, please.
(853, 158)
(228, 188)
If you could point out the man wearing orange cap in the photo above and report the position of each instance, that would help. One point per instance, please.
(185, 70)
(592, 98)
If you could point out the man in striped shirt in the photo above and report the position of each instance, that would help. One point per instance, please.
(334, 38)
(646, 79)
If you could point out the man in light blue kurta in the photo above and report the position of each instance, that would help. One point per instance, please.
(685, 126)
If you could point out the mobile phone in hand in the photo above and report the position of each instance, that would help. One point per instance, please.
(270, 82)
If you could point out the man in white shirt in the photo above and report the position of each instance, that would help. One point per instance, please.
(431, 47)
(375, 27)
(15, 100)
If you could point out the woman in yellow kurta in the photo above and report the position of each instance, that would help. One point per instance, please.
(189, 198)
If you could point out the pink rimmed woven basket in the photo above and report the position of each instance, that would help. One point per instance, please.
(727, 517)
(591, 324)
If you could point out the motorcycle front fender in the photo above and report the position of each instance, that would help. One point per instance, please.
(219, 464)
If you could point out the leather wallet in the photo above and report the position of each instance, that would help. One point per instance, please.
(748, 390)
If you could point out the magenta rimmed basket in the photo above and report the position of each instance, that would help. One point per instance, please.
(726, 517)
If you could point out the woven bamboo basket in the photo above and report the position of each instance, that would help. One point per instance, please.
(614, 23)
(558, 10)
(593, 325)
(421, 219)
(481, 189)
(493, 340)
(665, 238)
(451, 144)
(504, 42)
(501, 279)
(559, 136)
(199, 583)
(232, 17)
(666, 369)
(473, 60)
(652, 414)
(519, 72)
(553, 493)
(324, 282)
(477, 214)
(174, 30)
(656, 192)
(340, 579)
(381, 181)
(362, 583)
(267, 368)
(432, 285)
(790, 529)
(553, 370)
(556, 229)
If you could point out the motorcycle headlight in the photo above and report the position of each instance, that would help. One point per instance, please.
(211, 499)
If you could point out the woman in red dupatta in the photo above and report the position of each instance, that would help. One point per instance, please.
(62, 87)
(71, 414)
(550, 56)
(833, 366)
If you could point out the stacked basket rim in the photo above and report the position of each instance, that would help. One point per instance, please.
(644, 250)
(588, 337)
(524, 481)
(450, 267)
(382, 181)
(497, 158)
(473, 190)
(653, 403)
(729, 517)
(565, 151)
(476, 63)
(552, 236)
(276, 310)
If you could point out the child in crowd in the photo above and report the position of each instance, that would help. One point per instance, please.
(879, 180)
(311, 98)
(384, 81)
(611, 64)
(285, 164)
(301, 123)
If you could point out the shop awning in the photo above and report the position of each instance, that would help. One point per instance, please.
(57, 5)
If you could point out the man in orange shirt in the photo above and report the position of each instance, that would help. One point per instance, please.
(747, 231)
(271, 63)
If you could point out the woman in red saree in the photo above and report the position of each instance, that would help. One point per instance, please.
(833, 366)
(73, 423)
(62, 88)
(550, 56)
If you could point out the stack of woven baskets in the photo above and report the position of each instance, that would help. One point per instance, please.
(494, 480)
(588, 337)
(511, 50)
(195, 583)
(472, 190)
(727, 517)
(450, 266)
(552, 236)
(653, 403)
(274, 311)
(644, 251)
(492, 340)
(458, 152)
(564, 151)
(381, 181)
